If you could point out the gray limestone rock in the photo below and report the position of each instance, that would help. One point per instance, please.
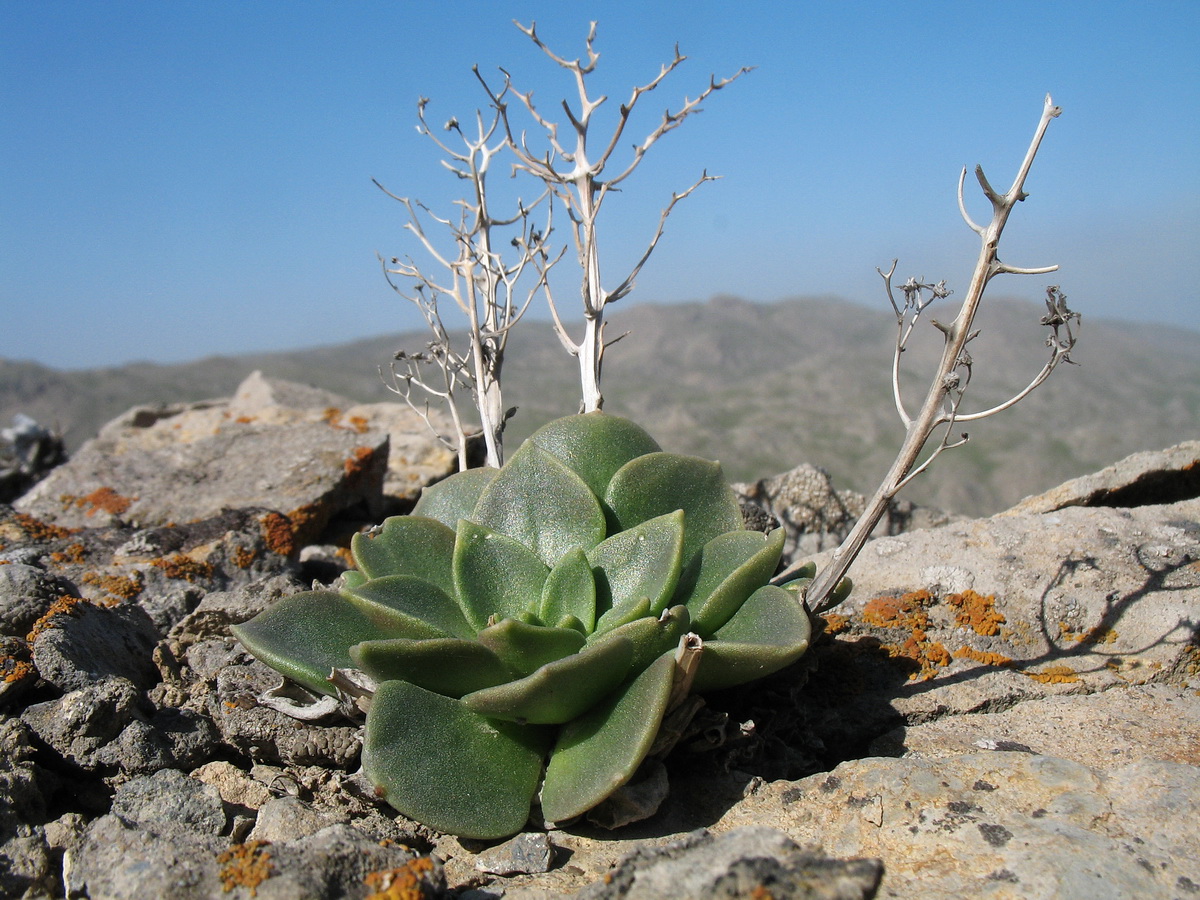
(526, 854)
(1015, 823)
(26, 592)
(82, 723)
(168, 802)
(753, 861)
(87, 643)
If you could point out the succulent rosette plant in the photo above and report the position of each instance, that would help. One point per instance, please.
(525, 625)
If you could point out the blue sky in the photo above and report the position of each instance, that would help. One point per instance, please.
(187, 178)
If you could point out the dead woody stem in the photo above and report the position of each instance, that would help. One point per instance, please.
(573, 171)
(940, 408)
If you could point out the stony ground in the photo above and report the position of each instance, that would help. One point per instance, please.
(1007, 707)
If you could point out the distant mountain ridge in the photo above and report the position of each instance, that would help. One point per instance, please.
(760, 386)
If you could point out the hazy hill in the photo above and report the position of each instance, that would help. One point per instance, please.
(761, 387)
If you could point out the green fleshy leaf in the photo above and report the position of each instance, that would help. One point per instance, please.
(642, 563)
(600, 751)
(770, 631)
(724, 573)
(561, 690)
(447, 666)
(538, 501)
(651, 637)
(453, 498)
(660, 483)
(615, 618)
(495, 576)
(426, 609)
(436, 761)
(306, 635)
(407, 545)
(570, 621)
(524, 647)
(351, 579)
(594, 445)
(570, 590)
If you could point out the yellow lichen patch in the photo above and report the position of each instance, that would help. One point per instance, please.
(103, 499)
(409, 882)
(983, 656)
(124, 586)
(279, 534)
(836, 623)
(13, 669)
(245, 865)
(977, 612)
(1059, 674)
(183, 568)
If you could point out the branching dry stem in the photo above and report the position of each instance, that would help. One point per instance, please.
(940, 409)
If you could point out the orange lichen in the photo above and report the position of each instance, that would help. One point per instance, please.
(246, 865)
(243, 557)
(836, 623)
(899, 612)
(183, 568)
(124, 586)
(75, 553)
(61, 606)
(983, 656)
(929, 655)
(1090, 638)
(977, 612)
(103, 499)
(37, 530)
(359, 462)
(1060, 674)
(13, 670)
(409, 882)
(279, 534)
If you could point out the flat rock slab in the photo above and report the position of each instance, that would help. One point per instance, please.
(305, 453)
(998, 824)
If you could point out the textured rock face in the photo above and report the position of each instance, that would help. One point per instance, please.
(1006, 707)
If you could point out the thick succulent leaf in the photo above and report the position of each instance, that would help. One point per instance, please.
(594, 445)
(642, 563)
(561, 690)
(351, 579)
(600, 751)
(447, 666)
(615, 618)
(570, 590)
(537, 500)
(450, 768)
(524, 647)
(770, 631)
(424, 608)
(306, 635)
(495, 577)
(453, 498)
(651, 637)
(726, 571)
(407, 545)
(659, 483)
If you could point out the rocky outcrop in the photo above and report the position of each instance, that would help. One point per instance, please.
(1007, 707)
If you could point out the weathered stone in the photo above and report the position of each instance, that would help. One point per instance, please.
(747, 862)
(82, 723)
(169, 801)
(84, 643)
(526, 854)
(288, 819)
(170, 738)
(1105, 731)
(1033, 826)
(1143, 479)
(26, 592)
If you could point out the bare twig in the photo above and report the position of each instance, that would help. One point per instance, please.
(940, 409)
(576, 178)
